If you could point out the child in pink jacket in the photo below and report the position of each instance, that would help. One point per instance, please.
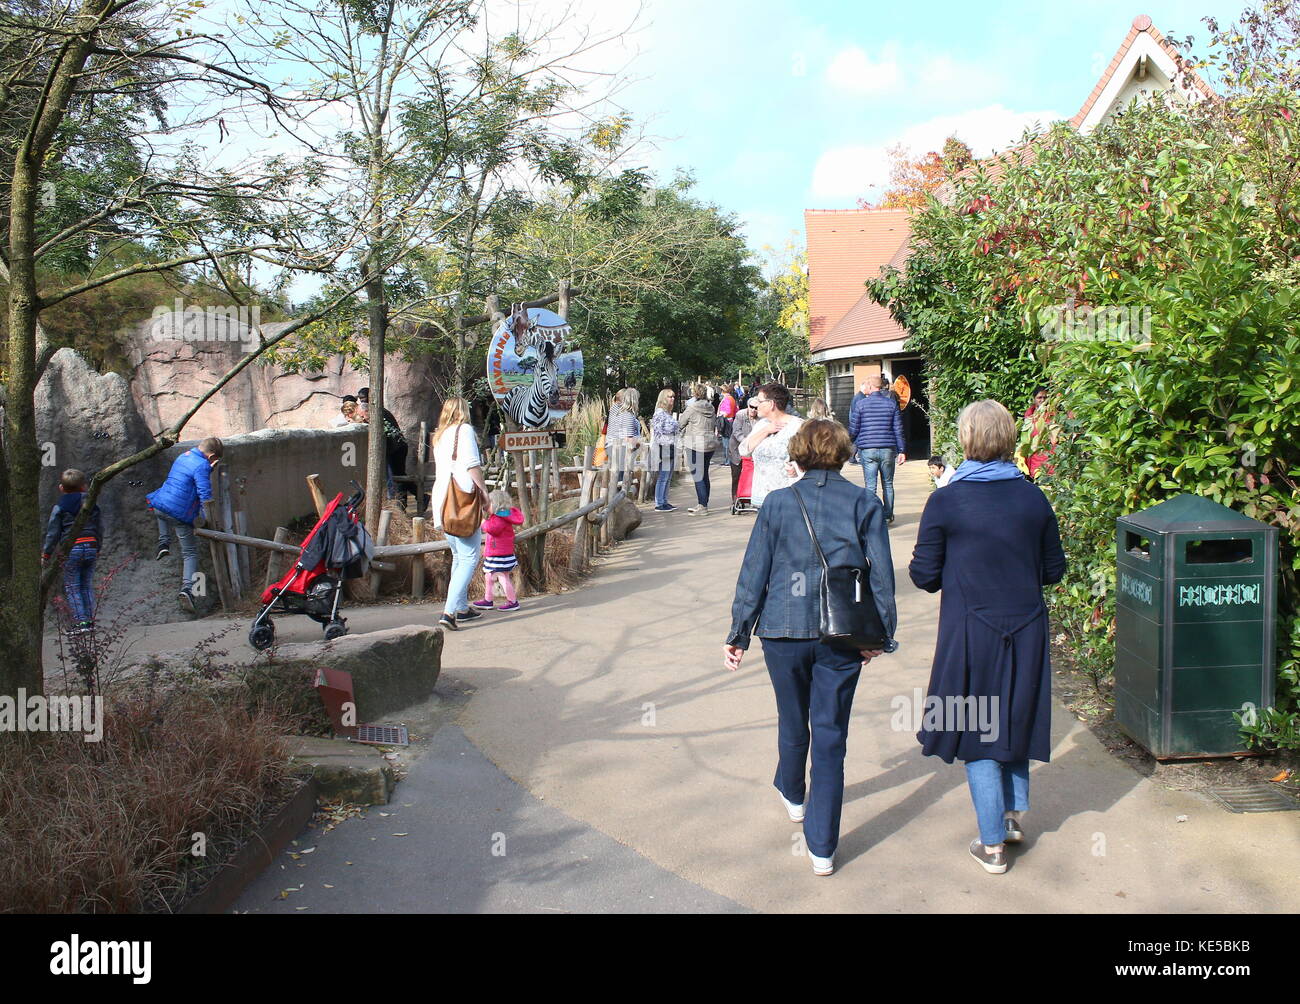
(499, 550)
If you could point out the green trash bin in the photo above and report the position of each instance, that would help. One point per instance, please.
(1195, 615)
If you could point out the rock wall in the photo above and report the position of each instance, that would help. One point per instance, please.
(88, 420)
(175, 360)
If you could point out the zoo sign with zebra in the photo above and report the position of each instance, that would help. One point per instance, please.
(533, 372)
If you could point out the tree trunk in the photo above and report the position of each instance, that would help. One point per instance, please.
(21, 613)
(377, 458)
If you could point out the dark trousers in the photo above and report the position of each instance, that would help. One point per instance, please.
(880, 462)
(814, 686)
(735, 480)
(79, 582)
(699, 461)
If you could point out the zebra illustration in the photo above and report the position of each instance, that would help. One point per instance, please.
(530, 406)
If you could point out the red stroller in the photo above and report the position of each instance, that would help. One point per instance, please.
(337, 548)
(744, 488)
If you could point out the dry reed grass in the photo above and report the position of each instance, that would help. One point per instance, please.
(108, 827)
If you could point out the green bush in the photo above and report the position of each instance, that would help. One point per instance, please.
(1186, 220)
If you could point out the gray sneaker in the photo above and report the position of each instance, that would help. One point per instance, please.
(699, 510)
(994, 863)
(186, 599)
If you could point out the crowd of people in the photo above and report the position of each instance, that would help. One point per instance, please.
(986, 523)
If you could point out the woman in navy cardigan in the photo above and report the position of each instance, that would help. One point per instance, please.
(778, 599)
(989, 540)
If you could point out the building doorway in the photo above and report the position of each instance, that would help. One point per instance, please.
(916, 417)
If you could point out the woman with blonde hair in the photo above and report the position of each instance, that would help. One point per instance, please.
(989, 541)
(663, 447)
(456, 457)
(819, 409)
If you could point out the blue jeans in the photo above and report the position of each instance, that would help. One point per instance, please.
(699, 461)
(464, 562)
(997, 788)
(667, 454)
(189, 545)
(814, 686)
(79, 581)
(882, 461)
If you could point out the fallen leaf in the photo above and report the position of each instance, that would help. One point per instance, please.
(1281, 777)
(308, 850)
(300, 908)
(401, 834)
(1180, 819)
(1121, 894)
(327, 885)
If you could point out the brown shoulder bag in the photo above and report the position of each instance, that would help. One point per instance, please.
(460, 509)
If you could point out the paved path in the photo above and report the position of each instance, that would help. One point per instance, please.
(633, 747)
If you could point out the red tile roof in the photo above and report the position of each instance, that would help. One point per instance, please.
(846, 247)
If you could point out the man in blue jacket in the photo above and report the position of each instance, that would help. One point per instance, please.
(179, 501)
(876, 428)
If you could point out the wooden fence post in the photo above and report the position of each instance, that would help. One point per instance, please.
(218, 563)
(273, 559)
(245, 555)
(381, 538)
(581, 531)
(317, 493)
(224, 513)
(417, 568)
(421, 458)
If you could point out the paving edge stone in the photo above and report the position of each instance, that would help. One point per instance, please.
(223, 890)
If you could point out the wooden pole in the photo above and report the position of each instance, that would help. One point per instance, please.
(317, 493)
(228, 524)
(381, 538)
(273, 559)
(417, 566)
(610, 480)
(245, 557)
(421, 458)
(578, 555)
(218, 564)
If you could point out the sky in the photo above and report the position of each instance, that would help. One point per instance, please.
(778, 106)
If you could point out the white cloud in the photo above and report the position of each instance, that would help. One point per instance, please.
(854, 72)
(852, 171)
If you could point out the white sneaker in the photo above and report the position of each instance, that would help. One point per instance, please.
(699, 510)
(822, 866)
(795, 811)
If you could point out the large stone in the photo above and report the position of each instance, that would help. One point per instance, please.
(391, 669)
(344, 771)
(88, 420)
(625, 518)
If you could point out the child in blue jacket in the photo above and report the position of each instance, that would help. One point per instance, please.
(79, 569)
(179, 501)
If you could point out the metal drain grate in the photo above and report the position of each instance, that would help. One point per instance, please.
(382, 735)
(1253, 798)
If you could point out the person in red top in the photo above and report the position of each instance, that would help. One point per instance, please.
(499, 550)
(1038, 419)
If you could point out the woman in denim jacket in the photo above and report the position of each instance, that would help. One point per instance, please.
(778, 599)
